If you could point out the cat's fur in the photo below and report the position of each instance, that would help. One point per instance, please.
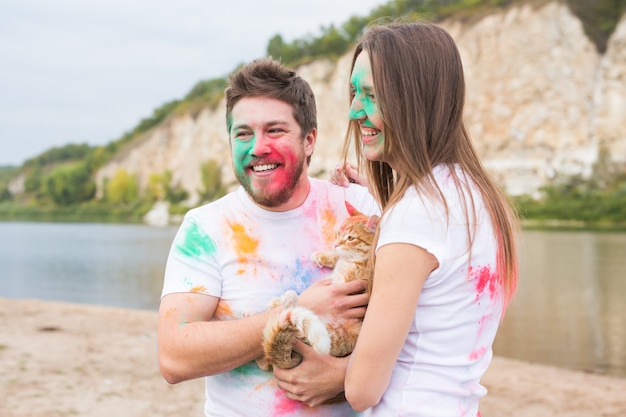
(336, 336)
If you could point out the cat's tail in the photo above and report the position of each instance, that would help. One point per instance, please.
(293, 323)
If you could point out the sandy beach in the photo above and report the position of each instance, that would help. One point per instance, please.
(62, 359)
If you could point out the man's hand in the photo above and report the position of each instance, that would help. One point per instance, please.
(318, 377)
(337, 300)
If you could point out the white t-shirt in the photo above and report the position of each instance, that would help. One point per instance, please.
(246, 256)
(449, 345)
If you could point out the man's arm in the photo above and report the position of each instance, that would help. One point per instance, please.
(192, 346)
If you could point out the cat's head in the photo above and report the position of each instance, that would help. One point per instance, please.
(356, 234)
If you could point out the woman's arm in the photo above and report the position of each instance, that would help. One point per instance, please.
(399, 275)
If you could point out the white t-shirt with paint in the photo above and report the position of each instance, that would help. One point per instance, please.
(449, 345)
(246, 256)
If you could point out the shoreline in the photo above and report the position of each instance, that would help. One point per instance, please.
(60, 358)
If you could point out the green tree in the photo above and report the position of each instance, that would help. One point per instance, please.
(173, 193)
(70, 184)
(160, 187)
(213, 188)
(599, 18)
(122, 188)
(156, 187)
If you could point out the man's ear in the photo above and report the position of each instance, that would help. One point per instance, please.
(309, 142)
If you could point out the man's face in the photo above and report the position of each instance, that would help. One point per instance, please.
(269, 153)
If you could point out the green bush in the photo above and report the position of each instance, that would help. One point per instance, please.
(70, 184)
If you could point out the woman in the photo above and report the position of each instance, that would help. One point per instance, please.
(445, 259)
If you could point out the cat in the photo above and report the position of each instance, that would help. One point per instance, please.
(349, 261)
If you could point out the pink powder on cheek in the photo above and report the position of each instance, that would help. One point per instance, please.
(290, 161)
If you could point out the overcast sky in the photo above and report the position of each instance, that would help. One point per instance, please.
(87, 71)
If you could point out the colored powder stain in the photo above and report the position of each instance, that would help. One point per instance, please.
(248, 369)
(240, 151)
(301, 276)
(478, 353)
(283, 406)
(486, 281)
(169, 313)
(224, 310)
(329, 226)
(245, 245)
(361, 92)
(196, 243)
(187, 282)
(200, 289)
(483, 322)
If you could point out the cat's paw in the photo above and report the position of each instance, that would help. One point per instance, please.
(312, 329)
(324, 259)
(281, 331)
(287, 300)
(263, 364)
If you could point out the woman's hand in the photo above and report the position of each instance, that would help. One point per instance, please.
(318, 377)
(344, 174)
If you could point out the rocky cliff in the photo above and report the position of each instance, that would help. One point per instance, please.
(541, 100)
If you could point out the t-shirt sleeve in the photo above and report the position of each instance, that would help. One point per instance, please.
(362, 200)
(192, 261)
(411, 221)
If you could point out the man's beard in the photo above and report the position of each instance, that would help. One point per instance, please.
(277, 198)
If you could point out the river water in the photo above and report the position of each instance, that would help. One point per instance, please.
(569, 311)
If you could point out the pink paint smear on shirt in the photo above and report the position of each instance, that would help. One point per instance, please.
(486, 281)
(284, 406)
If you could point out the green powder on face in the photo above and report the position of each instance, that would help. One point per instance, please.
(362, 92)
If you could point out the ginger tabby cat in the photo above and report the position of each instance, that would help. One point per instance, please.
(350, 261)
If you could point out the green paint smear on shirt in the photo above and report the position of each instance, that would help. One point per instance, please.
(250, 368)
(196, 243)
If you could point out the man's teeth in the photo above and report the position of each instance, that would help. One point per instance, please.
(265, 167)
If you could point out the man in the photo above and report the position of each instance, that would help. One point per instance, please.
(232, 256)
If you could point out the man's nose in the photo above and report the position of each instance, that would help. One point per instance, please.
(261, 145)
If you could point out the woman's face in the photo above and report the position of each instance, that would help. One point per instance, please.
(364, 109)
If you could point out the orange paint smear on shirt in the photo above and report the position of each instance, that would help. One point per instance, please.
(245, 245)
(329, 226)
(224, 310)
(200, 289)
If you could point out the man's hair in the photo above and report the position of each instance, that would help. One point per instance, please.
(268, 78)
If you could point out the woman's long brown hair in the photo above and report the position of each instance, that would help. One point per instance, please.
(420, 92)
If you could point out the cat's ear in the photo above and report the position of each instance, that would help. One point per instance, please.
(352, 210)
(372, 222)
